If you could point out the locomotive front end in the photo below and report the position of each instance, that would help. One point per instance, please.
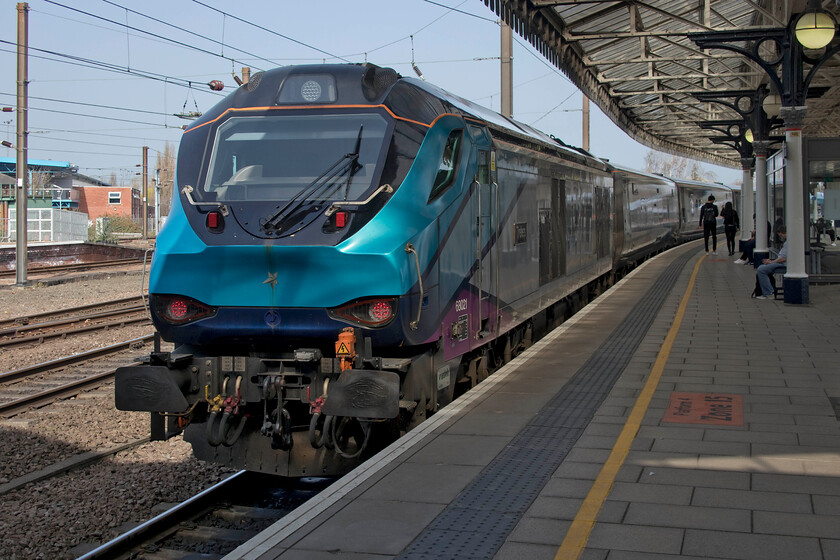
(275, 280)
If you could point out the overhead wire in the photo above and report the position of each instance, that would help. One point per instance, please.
(520, 84)
(239, 19)
(95, 105)
(553, 70)
(553, 108)
(97, 153)
(86, 142)
(408, 37)
(66, 20)
(179, 28)
(544, 62)
(91, 63)
(455, 9)
(181, 43)
(99, 65)
(103, 132)
(99, 117)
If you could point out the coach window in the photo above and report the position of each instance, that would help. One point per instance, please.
(114, 198)
(448, 167)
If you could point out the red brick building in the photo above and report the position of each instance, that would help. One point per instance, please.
(97, 201)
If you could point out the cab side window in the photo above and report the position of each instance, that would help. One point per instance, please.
(448, 166)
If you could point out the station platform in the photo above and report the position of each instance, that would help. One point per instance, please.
(673, 417)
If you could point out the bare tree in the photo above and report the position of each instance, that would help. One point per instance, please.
(165, 164)
(40, 183)
(677, 167)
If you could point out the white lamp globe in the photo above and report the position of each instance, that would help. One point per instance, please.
(814, 30)
(771, 105)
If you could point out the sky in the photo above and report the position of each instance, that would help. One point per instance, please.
(107, 77)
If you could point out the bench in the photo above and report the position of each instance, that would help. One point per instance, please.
(779, 276)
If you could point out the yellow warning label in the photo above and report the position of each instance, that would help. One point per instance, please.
(342, 350)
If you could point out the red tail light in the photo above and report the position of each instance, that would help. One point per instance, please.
(179, 310)
(375, 312)
(340, 219)
(215, 222)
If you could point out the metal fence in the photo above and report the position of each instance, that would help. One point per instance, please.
(46, 224)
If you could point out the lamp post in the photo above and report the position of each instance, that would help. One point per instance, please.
(765, 118)
(761, 250)
(745, 103)
(760, 111)
(21, 157)
(815, 29)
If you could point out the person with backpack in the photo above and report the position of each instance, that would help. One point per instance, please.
(731, 224)
(708, 221)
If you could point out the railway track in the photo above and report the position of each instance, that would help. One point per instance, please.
(215, 521)
(74, 267)
(50, 381)
(122, 303)
(22, 330)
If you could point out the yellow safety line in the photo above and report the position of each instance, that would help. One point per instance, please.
(578, 534)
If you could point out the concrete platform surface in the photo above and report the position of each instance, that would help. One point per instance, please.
(674, 417)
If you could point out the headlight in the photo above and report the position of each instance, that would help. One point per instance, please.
(179, 310)
(374, 312)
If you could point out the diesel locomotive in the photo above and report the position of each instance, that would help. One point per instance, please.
(348, 250)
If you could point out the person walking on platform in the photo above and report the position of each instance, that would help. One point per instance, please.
(731, 224)
(769, 266)
(708, 221)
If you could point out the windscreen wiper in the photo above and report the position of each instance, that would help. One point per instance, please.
(347, 161)
(355, 166)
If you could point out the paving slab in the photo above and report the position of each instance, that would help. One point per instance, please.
(768, 489)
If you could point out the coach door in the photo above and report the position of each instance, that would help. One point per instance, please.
(486, 219)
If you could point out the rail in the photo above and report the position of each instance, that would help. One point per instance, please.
(42, 317)
(244, 499)
(54, 329)
(71, 267)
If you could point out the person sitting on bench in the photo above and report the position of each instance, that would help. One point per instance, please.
(769, 266)
(749, 246)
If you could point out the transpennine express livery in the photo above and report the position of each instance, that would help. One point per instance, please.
(348, 250)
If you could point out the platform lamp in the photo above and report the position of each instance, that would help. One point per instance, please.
(814, 29)
(765, 119)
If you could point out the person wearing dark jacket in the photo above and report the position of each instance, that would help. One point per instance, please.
(731, 224)
(708, 221)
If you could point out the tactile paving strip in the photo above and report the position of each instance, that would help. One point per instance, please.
(479, 520)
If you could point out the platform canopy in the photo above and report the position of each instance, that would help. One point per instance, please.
(637, 61)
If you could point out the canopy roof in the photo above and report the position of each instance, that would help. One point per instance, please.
(636, 61)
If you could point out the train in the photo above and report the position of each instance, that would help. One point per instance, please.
(348, 250)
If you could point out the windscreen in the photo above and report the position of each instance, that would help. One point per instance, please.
(286, 157)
